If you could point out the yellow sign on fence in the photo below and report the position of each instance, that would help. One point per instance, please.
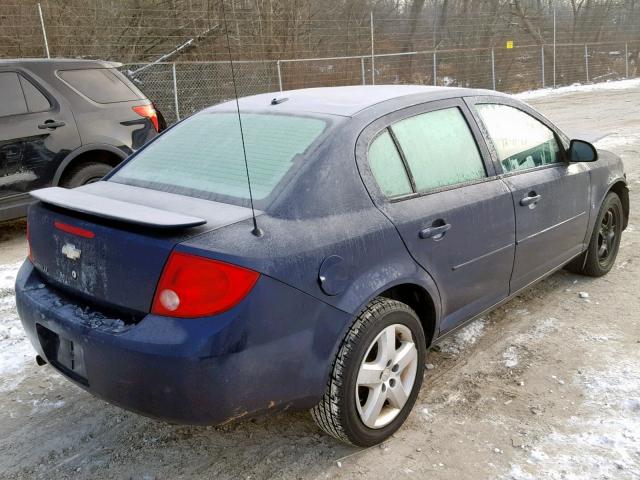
(509, 44)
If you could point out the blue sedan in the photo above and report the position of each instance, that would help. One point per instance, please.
(198, 285)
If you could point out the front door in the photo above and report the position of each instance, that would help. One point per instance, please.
(454, 216)
(550, 195)
(36, 133)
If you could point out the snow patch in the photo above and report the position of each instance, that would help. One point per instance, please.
(618, 142)
(577, 87)
(464, 338)
(15, 349)
(603, 445)
(510, 357)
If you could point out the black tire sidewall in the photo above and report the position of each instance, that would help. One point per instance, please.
(86, 173)
(611, 201)
(359, 434)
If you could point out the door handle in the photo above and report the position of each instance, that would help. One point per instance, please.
(530, 199)
(434, 232)
(52, 124)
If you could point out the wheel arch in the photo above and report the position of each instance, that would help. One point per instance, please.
(620, 188)
(103, 153)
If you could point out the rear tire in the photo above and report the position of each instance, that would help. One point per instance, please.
(85, 173)
(386, 339)
(605, 240)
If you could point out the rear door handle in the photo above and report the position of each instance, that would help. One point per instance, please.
(433, 232)
(531, 199)
(52, 124)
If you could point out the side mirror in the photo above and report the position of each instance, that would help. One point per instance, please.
(581, 151)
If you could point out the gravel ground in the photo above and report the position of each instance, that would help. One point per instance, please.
(547, 386)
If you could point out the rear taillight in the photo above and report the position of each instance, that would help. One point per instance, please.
(29, 251)
(192, 286)
(147, 111)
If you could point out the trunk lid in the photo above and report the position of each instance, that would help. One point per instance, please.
(108, 243)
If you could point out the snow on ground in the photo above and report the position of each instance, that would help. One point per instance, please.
(464, 338)
(606, 445)
(15, 349)
(577, 87)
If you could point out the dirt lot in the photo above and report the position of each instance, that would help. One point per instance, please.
(547, 386)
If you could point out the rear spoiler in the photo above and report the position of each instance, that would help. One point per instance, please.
(115, 209)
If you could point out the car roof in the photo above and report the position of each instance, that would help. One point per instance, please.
(344, 101)
(55, 63)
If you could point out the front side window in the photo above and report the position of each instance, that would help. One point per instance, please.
(203, 156)
(387, 167)
(439, 149)
(521, 141)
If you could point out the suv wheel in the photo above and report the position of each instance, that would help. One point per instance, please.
(376, 375)
(85, 173)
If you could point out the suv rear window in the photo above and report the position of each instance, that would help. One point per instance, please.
(203, 157)
(102, 85)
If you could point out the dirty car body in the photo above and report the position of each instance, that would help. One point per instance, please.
(341, 227)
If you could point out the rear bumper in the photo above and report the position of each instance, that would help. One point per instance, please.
(271, 352)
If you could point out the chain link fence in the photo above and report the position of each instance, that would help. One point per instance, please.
(182, 88)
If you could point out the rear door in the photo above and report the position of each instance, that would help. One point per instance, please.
(431, 179)
(36, 133)
(550, 195)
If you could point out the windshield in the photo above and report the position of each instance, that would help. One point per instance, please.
(202, 156)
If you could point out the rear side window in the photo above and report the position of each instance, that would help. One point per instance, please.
(202, 156)
(439, 149)
(387, 167)
(11, 98)
(521, 141)
(36, 101)
(102, 85)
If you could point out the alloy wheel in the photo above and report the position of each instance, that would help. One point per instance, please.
(607, 235)
(386, 376)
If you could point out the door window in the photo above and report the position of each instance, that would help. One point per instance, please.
(11, 98)
(521, 141)
(387, 167)
(36, 101)
(439, 149)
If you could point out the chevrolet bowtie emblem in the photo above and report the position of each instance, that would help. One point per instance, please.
(70, 251)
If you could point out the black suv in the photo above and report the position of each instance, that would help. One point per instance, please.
(66, 123)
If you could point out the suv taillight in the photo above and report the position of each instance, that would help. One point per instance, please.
(29, 250)
(192, 286)
(147, 111)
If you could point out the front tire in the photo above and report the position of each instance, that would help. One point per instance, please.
(376, 376)
(605, 240)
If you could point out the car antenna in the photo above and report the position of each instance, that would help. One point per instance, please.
(257, 231)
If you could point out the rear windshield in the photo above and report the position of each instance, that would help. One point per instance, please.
(203, 157)
(102, 85)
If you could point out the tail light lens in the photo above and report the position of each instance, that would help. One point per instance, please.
(147, 111)
(29, 251)
(192, 286)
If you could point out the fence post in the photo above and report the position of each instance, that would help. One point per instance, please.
(373, 58)
(493, 69)
(279, 74)
(364, 80)
(435, 69)
(554, 48)
(44, 32)
(626, 60)
(175, 90)
(542, 63)
(586, 61)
